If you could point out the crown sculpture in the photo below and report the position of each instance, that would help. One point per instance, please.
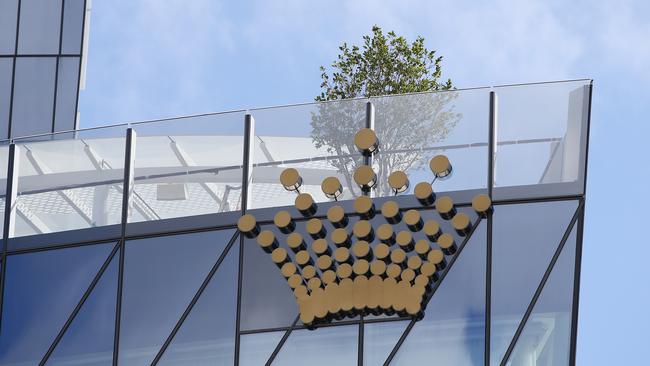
(347, 272)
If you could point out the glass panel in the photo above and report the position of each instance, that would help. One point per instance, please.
(8, 17)
(525, 238)
(316, 139)
(89, 339)
(545, 338)
(379, 339)
(72, 24)
(71, 183)
(255, 349)
(161, 275)
(41, 291)
(267, 300)
(40, 23)
(541, 138)
(207, 336)
(324, 346)
(6, 70)
(189, 166)
(413, 128)
(453, 329)
(66, 94)
(4, 161)
(33, 96)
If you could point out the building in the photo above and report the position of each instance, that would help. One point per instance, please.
(121, 246)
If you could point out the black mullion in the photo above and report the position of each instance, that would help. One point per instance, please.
(576, 291)
(540, 287)
(435, 287)
(282, 341)
(13, 71)
(7, 222)
(56, 69)
(325, 325)
(360, 345)
(81, 302)
(81, 58)
(195, 299)
(492, 143)
(240, 275)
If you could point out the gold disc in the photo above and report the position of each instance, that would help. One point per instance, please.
(314, 283)
(361, 267)
(381, 251)
(435, 256)
(362, 229)
(414, 262)
(364, 176)
(304, 202)
(336, 214)
(314, 226)
(481, 203)
(294, 241)
(266, 238)
(288, 269)
(404, 238)
(377, 268)
(324, 262)
(290, 178)
(445, 241)
(460, 222)
(366, 140)
(329, 276)
(282, 219)
(331, 186)
(390, 209)
(309, 272)
(361, 249)
(339, 236)
(397, 256)
(422, 247)
(302, 257)
(363, 205)
(319, 246)
(423, 190)
(421, 280)
(278, 255)
(444, 205)
(393, 270)
(412, 217)
(294, 281)
(246, 223)
(344, 270)
(407, 275)
(300, 292)
(398, 181)
(384, 232)
(342, 254)
(428, 269)
(431, 228)
(440, 166)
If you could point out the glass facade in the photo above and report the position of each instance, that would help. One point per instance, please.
(120, 244)
(40, 65)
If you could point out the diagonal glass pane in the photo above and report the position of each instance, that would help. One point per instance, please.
(161, 275)
(379, 339)
(545, 338)
(41, 290)
(336, 345)
(256, 348)
(525, 237)
(207, 336)
(453, 329)
(89, 339)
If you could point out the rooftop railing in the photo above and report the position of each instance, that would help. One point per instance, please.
(195, 165)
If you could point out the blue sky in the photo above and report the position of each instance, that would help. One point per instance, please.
(154, 58)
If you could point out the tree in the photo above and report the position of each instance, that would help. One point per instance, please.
(405, 124)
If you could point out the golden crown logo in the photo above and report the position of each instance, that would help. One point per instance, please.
(365, 270)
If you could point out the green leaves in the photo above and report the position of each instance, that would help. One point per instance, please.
(384, 64)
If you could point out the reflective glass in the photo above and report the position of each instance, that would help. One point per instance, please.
(41, 290)
(317, 139)
(525, 237)
(379, 339)
(321, 347)
(207, 336)
(453, 329)
(256, 348)
(413, 128)
(545, 338)
(541, 139)
(40, 23)
(66, 94)
(89, 339)
(72, 25)
(161, 275)
(33, 96)
(70, 183)
(189, 166)
(4, 157)
(6, 70)
(8, 17)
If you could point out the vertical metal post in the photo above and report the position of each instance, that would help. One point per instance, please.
(492, 144)
(247, 174)
(127, 193)
(370, 123)
(10, 213)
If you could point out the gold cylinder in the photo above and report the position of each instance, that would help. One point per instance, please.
(414, 263)
(279, 256)
(346, 291)
(445, 207)
(247, 225)
(284, 222)
(300, 292)
(341, 238)
(405, 241)
(422, 248)
(295, 242)
(337, 216)
(461, 224)
(428, 269)
(381, 251)
(408, 275)
(314, 283)
(267, 241)
(361, 267)
(413, 220)
(432, 230)
(331, 187)
(366, 141)
(398, 181)
(437, 258)
(305, 204)
(424, 193)
(324, 262)
(447, 244)
(309, 272)
(288, 269)
(343, 271)
(363, 230)
(364, 206)
(389, 286)
(385, 234)
(365, 177)
(362, 250)
(304, 259)
(342, 255)
(378, 268)
(440, 166)
(360, 293)
(329, 276)
(374, 292)
(398, 256)
(290, 179)
(294, 281)
(390, 211)
(393, 270)
(315, 228)
(482, 204)
(320, 247)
